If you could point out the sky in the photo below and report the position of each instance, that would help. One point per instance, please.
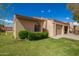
(58, 11)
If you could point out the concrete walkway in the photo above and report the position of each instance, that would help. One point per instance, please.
(71, 36)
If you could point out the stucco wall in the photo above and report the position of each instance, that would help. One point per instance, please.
(28, 25)
(77, 30)
(17, 27)
(77, 27)
(20, 24)
(61, 30)
(24, 24)
(50, 27)
(54, 28)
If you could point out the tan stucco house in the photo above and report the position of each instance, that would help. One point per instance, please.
(53, 27)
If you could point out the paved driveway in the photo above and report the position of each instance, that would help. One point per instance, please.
(71, 36)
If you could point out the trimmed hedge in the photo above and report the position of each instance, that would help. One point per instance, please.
(23, 34)
(32, 35)
(37, 35)
(2, 30)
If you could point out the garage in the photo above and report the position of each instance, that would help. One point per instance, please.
(58, 29)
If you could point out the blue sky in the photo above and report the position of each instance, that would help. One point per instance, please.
(56, 11)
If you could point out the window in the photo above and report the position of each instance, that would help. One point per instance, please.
(37, 27)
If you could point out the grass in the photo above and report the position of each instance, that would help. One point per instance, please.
(45, 47)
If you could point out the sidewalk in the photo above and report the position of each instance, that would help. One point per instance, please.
(71, 36)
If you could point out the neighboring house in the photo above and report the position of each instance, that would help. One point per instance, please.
(74, 27)
(33, 24)
(9, 28)
(4, 28)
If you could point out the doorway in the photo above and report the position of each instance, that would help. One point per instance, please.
(65, 29)
(37, 27)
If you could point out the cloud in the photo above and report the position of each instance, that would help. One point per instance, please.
(42, 11)
(7, 21)
(49, 10)
(0, 19)
(67, 18)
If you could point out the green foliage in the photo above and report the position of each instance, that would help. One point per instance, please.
(37, 35)
(76, 16)
(70, 7)
(32, 35)
(1, 30)
(4, 14)
(74, 8)
(23, 34)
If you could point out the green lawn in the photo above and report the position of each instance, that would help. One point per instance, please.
(44, 47)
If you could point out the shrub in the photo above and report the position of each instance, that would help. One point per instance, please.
(2, 31)
(45, 35)
(37, 35)
(23, 34)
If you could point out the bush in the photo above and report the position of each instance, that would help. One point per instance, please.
(45, 35)
(2, 31)
(23, 34)
(37, 35)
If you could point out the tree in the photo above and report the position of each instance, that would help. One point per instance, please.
(5, 11)
(74, 8)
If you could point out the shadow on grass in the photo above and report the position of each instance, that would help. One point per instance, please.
(38, 39)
